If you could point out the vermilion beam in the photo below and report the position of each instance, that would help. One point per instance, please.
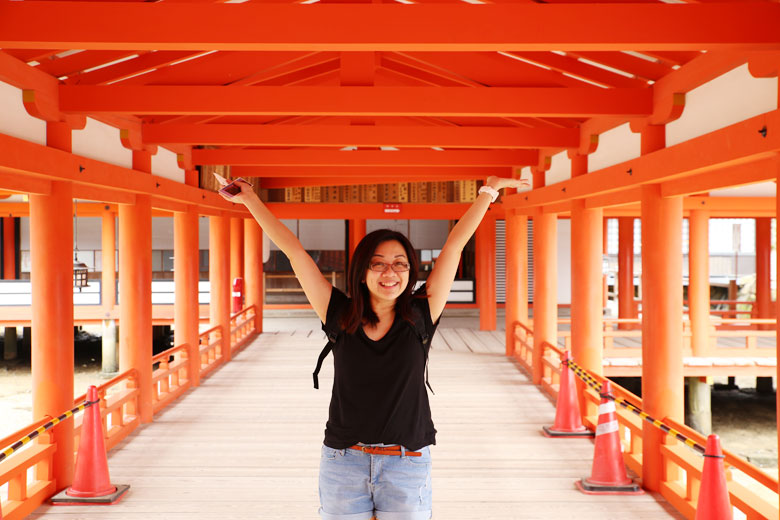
(734, 145)
(365, 157)
(340, 136)
(363, 101)
(526, 26)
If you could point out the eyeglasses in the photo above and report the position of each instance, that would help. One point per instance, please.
(381, 267)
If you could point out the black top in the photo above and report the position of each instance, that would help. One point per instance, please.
(379, 386)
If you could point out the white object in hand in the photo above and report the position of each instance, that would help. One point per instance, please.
(491, 191)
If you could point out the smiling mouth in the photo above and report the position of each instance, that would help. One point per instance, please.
(388, 284)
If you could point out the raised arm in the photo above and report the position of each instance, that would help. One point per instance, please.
(314, 284)
(440, 280)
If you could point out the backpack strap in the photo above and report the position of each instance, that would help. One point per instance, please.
(332, 337)
(425, 340)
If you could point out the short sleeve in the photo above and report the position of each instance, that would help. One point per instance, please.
(420, 303)
(336, 306)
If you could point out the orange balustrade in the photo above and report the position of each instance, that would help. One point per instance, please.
(752, 492)
(27, 489)
(118, 407)
(242, 328)
(211, 348)
(171, 378)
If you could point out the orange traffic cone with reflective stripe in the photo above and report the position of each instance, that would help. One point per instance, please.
(91, 483)
(608, 476)
(567, 408)
(713, 501)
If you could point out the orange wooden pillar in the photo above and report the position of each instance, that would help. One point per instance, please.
(587, 286)
(51, 277)
(109, 354)
(253, 269)
(625, 275)
(486, 272)
(699, 280)
(516, 275)
(545, 281)
(9, 248)
(236, 248)
(135, 289)
(219, 277)
(662, 374)
(186, 271)
(763, 269)
(9, 273)
(357, 230)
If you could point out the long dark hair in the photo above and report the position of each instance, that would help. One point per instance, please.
(360, 309)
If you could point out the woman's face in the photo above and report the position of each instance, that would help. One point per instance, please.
(384, 283)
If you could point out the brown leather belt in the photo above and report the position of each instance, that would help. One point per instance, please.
(385, 450)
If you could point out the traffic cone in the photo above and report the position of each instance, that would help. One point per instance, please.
(567, 408)
(91, 483)
(713, 501)
(608, 476)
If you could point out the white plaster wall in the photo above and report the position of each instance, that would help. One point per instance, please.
(761, 189)
(14, 119)
(564, 260)
(165, 165)
(322, 234)
(560, 169)
(162, 232)
(429, 234)
(400, 225)
(101, 142)
(728, 99)
(615, 146)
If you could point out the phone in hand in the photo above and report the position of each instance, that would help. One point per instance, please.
(229, 189)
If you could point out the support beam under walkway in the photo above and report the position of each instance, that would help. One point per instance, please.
(246, 443)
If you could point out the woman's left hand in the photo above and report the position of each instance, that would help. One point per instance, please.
(506, 182)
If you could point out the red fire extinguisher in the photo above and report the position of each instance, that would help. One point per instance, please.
(238, 294)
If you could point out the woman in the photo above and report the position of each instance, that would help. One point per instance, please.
(375, 458)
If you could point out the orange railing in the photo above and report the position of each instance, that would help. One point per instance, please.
(751, 491)
(242, 328)
(27, 473)
(524, 345)
(211, 348)
(171, 378)
(25, 477)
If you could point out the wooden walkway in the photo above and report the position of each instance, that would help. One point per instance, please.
(246, 443)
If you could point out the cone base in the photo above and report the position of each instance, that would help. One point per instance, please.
(548, 431)
(599, 489)
(63, 499)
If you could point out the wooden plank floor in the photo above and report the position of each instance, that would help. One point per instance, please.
(246, 443)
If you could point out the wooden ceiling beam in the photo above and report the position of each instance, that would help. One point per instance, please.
(366, 101)
(488, 137)
(430, 158)
(371, 174)
(744, 142)
(507, 27)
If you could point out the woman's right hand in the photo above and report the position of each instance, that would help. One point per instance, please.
(240, 197)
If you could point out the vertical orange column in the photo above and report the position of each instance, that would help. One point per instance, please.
(625, 273)
(586, 279)
(486, 272)
(545, 281)
(699, 280)
(763, 272)
(777, 241)
(135, 289)
(253, 269)
(516, 275)
(219, 276)
(236, 248)
(357, 230)
(51, 277)
(9, 248)
(185, 278)
(662, 375)
(108, 273)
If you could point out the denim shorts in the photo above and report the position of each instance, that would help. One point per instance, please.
(357, 486)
